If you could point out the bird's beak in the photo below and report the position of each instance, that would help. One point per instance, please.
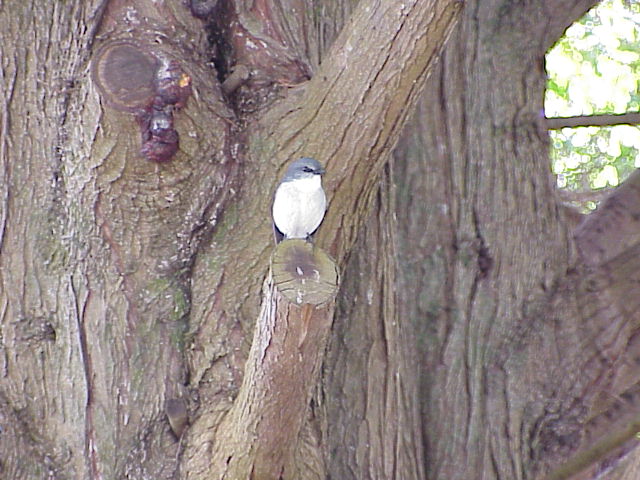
(320, 171)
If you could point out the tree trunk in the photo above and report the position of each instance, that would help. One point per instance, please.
(475, 334)
(519, 353)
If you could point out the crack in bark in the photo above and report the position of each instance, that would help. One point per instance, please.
(7, 96)
(90, 440)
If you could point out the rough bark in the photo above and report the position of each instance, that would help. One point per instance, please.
(520, 337)
(96, 240)
(353, 146)
(370, 401)
(470, 338)
(258, 438)
(106, 201)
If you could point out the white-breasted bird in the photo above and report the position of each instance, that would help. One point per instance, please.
(299, 203)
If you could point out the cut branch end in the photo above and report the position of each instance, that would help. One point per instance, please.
(304, 273)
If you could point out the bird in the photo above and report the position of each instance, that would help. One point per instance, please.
(299, 203)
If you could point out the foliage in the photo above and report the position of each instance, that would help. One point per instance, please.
(595, 69)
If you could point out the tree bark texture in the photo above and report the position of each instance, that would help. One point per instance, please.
(95, 243)
(354, 148)
(108, 192)
(519, 349)
(476, 334)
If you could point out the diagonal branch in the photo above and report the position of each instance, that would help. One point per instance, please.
(609, 243)
(614, 227)
(350, 114)
(258, 437)
(606, 435)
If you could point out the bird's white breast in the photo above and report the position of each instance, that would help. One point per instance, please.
(299, 206)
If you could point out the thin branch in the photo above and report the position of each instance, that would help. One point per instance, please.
(582, 196)
(556, 123)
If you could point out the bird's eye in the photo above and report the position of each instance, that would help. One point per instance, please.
(307, 169)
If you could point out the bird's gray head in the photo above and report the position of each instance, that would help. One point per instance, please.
(303, 168)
